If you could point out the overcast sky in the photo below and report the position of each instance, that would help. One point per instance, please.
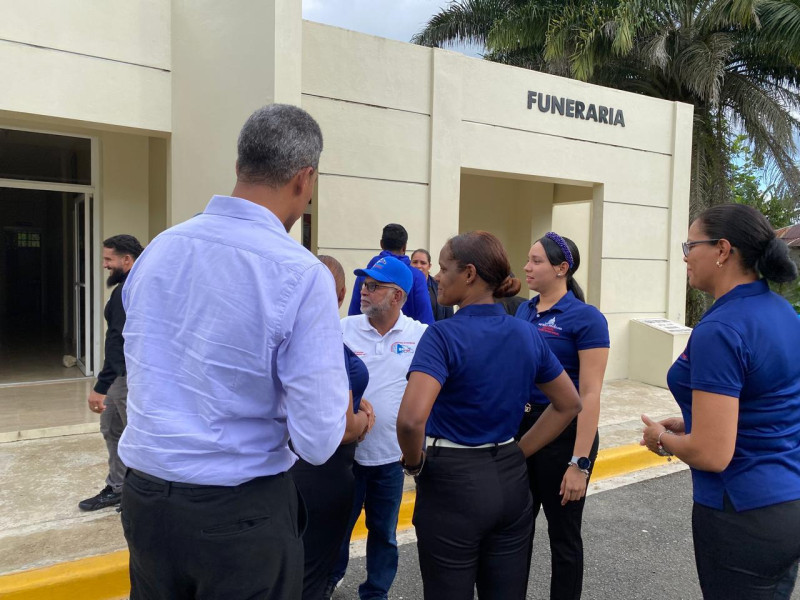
(393, 19)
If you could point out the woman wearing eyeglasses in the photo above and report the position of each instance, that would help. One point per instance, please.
(577, 333)
(467, 388)
(738, 387)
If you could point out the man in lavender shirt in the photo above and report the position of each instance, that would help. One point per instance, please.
(232, 345)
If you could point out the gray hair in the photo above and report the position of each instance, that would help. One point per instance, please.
(275, 143)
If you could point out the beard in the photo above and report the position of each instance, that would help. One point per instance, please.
(376, 309)
(116, 276)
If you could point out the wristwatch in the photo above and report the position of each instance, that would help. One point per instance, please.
(582, 463)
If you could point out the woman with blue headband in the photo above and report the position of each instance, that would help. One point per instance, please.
(577, 333)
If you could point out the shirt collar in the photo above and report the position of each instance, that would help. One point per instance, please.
(740, 291)
(239, 208)
(399, 325)
(560, 306)
(481, 310)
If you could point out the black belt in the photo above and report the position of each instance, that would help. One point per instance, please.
(172, 484)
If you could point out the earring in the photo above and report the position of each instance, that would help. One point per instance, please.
(559, 274)
(719, 264)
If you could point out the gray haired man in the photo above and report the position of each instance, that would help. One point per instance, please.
(233, 344)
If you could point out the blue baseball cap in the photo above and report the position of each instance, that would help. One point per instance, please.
(389, 270)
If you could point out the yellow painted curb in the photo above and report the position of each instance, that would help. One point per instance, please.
(612, 462)
(403, 521)
(106, 577)
(99, 577)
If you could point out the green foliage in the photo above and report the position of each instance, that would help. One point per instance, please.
(790, 291)
(736, 61)
(747, 185)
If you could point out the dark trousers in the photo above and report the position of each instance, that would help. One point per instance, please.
(379, 490)
(328, 494)
(749, 555)
(545, 472)
(214, 542)
(473, 523)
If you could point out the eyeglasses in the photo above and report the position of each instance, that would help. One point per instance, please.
(372, 286)
(688, 245)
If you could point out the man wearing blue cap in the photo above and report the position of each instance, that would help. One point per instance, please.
(393, 245)
(385, 339)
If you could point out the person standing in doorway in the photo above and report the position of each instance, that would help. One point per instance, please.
(558, 474)
(386, 340)
(393, 244)
(233, 345)
(110, 394)
(421, 259)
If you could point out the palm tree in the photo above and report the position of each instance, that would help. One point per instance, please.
(736, 61)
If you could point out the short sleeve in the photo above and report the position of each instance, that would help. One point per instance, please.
(718, 359)
(593, 332)
(548, 366)
(431, 356)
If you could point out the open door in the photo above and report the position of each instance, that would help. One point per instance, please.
(82, 286)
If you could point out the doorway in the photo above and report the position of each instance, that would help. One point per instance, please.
(45, 275)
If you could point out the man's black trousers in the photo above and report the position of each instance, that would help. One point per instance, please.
(213, 542)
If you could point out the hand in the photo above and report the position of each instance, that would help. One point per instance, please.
(573, 485)
(366, 406)
(674, 424)
(97, 402)
(650, 434)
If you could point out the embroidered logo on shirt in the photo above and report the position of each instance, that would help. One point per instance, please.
(550, 327)
(403, 347)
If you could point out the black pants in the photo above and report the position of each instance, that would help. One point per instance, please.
(545, 472)
(750, 555)
(473, 522)
(328, 494)
(214, 542)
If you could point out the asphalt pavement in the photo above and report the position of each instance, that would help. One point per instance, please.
(637, 541)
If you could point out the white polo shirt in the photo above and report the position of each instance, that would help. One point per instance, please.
(387, 358)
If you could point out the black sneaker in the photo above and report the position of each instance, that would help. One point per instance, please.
(104, 499)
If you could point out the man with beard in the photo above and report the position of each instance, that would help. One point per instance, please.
(110, 394)
(385, 340)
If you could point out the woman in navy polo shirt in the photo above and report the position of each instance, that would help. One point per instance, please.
(467, 388)
(577, 333)
(738, 387)
(328, 489)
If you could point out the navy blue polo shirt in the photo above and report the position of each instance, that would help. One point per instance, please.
(357, 375)
(745, 346)
(488, 364)
(568, 326)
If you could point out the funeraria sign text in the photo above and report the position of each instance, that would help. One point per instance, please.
(567, 107)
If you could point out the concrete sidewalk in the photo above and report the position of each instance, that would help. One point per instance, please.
(42, 480)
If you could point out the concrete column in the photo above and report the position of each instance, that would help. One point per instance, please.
(594, 266)
(445, 169)
(226, 62)
(679, 210)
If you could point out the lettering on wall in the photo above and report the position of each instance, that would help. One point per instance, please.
(575, 109)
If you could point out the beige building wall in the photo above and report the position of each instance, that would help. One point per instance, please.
(413, 135)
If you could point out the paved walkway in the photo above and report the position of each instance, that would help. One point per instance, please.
(43, 479)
